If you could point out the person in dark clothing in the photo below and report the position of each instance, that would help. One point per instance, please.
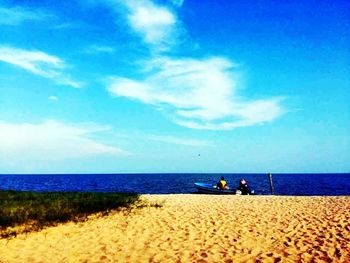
(243, 187)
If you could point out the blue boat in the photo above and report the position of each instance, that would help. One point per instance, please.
(210, 189)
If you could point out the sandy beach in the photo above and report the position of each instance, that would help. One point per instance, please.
(198, 228)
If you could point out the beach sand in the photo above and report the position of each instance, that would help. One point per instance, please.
(198, 228)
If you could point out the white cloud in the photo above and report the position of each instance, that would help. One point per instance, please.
(177, 2)
(38, 63)
(195, 92)
(180, 141)
(199, 94)
(53, 98)
(50, 141)
(156, 24)
(14, 16)
(96, 49)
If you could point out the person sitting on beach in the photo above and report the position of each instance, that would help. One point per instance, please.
(243, 187)
(222, 184)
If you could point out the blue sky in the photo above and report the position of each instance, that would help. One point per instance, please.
(174, 86)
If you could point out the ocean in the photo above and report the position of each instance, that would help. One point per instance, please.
(177, 183)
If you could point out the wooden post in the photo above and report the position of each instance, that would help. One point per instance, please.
(271, 184)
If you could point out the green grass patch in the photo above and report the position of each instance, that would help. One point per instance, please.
(40, 209)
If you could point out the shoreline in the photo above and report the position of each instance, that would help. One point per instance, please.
(199, 228)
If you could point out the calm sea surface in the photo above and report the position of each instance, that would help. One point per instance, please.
(285, 184)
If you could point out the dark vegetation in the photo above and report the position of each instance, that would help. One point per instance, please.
(39, 209)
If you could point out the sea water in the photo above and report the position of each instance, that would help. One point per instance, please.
(175, 183)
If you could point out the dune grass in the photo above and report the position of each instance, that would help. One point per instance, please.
(39, 209)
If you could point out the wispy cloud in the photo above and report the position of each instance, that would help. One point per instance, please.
(177, 2)
(14, 16)
(156, 24)
(96, 49)
(38, 63)
(53, 98)
(50, 141)
(199, 94)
